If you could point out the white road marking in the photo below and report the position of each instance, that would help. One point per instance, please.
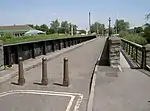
(72, 95)
(76, 108)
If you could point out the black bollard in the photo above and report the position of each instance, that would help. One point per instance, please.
(66, 73)
(21, 79)
(44, 80)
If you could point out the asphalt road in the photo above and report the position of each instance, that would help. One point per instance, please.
(81, 64)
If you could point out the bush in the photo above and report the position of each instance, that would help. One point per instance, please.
(136, 38)
(123, 33)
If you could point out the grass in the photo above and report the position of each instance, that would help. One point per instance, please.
(13, 40)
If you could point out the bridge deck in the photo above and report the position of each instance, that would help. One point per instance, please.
(81, 64)
(121, 91)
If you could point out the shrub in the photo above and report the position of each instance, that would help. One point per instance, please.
(136, 38)
(123, 33)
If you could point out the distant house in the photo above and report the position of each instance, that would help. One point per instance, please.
(14, 30)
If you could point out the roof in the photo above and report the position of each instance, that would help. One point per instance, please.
(31, 32)
(15, 28)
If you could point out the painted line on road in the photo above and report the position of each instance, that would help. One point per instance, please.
(72, 95)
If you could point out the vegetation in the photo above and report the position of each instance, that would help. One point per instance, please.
(140, 35)
(63, 27)
(56, 30)
(121, 25)
(136, 38)
(97, 28)
(12, 40)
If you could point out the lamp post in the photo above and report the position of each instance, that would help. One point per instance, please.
(90, 22)
(109, 33)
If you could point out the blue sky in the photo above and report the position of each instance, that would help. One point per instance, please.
(75, 11)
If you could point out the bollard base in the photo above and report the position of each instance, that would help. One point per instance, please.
(44, 82)
(65, 84)
(21, 81)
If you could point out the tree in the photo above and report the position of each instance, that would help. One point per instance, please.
(121, 25)
(31, 25)
(147, 33)
(37, 27)
(51, 31)
(97, 28)
(44, 28)
(147, 16)
(112, 31)
(55, 25)
(82, 32)
(64, 27)
(138, 30)
(61, 30)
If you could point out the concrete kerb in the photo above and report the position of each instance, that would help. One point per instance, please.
(91, 96)
(14, 73)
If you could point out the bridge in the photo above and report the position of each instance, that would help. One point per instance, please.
(103, 73)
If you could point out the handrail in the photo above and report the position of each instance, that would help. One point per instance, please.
(137, 45)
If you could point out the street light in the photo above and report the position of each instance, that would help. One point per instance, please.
(90, 22)
(109, 33)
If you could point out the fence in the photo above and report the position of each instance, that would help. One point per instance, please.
(139, 54)
(29, 50)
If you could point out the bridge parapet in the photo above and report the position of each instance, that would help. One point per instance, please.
(114, 51)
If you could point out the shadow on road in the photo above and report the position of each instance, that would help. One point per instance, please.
(58, 84)
(14, 83)
(38, 83)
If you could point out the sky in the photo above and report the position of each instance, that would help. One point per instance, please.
(75, 11)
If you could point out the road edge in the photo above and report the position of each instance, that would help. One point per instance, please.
(92, 90)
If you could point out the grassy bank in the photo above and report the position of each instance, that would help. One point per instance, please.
(13, 40)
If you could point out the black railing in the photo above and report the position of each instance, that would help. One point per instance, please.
(136, 52)
(33, 49)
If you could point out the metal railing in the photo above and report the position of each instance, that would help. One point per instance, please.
(135, 51)
(28, 50)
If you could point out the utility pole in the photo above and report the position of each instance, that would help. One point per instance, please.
(89, 22)
(116, 26)
(109, 33)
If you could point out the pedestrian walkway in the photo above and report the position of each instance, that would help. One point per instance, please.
(121, 91)
(56, 98)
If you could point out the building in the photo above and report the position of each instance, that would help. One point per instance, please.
(14, 30)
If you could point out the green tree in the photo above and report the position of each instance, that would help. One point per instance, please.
(31, 25)
(44, 28)
(97, 28)
(82, 32)
(147, 33)
(138, 30)
(121, 25)
(37, 27)
(51, 31)
(64, 27)
(55, 25)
